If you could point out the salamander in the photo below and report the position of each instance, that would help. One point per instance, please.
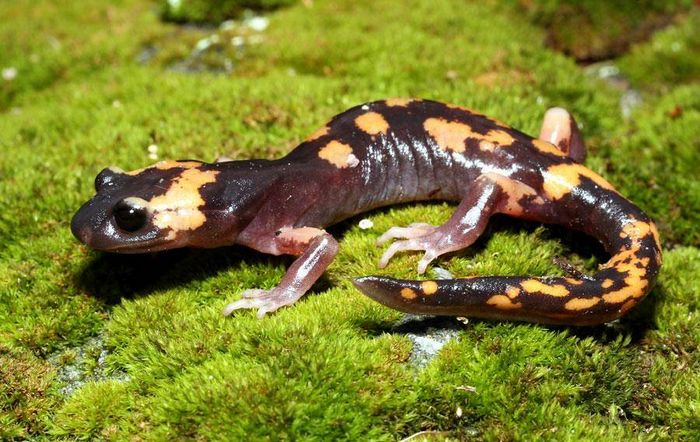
(382, 153)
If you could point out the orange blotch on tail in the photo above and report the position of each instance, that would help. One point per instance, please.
(503, 302)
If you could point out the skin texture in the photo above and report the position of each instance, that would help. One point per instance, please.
(384, 153)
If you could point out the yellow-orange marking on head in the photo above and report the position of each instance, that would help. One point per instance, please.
(408, 293)
(546, 147)
(573, 281)
(429, 287)
(607, 283)
(533, 285)
(372, 123)
(178, 208)
(399, 102)
(561, 179)
(338, 154)
(581, 303)
(318, 133)
(167, 164)
(503, 302)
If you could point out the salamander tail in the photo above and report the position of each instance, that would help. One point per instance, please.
(617, 287)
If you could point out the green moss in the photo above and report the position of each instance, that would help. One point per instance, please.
(331, 367)
(668, 60)
(214, 11)
(94, 412)
(25, 395)
(665, 139)
(594, 30)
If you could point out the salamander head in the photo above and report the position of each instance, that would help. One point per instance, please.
(156, 208)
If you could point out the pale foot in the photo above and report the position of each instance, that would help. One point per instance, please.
(264, 300)
(414, 230)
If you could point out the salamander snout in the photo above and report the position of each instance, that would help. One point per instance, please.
(80, 230)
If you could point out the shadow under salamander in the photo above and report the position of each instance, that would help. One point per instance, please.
(112, 277)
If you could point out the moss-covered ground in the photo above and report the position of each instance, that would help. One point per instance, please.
(134, 347)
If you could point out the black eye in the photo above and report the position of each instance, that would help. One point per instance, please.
(129, 217)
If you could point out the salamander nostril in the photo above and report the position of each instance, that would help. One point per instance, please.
(128, 216)
(82, 232)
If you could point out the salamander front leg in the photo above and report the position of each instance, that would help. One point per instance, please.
(316, 248)
(460, 231)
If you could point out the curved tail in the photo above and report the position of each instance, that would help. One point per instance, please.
(625, 231)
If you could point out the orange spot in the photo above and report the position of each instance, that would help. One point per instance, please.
(319, 133)
(429, 287)
(621, 295)
(452, 135)
(448, 135)
(573, 281)
(487, 146)
(627, 305)
(607, 283)
(512, 292)
(503, 302)
(400, 102)
(561, 179)
(534, 285)
(515, 190)
(581, 303)
(500, 137)
(338, 154)
(627, 261)
(372, 123)
(408, 293)
(544, 146)
(635, 230)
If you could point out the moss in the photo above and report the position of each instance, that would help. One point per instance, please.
(25, 396)
(665, 137)
(595, 30)
(212, 11)
(333, 366)
(668, 60)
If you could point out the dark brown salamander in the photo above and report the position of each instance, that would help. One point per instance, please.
(384, 153)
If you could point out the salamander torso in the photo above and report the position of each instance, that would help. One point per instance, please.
(383, 153)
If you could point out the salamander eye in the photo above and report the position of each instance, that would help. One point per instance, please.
(129, 216)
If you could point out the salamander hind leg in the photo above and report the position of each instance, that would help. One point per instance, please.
(560, 128)
(463, 228)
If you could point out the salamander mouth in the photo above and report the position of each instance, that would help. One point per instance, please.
(138, 247)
